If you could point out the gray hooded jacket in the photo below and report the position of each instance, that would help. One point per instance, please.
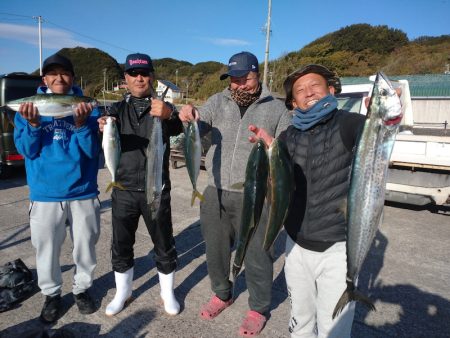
(226, 160)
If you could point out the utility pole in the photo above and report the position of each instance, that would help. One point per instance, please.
(39, 18)
(104, 79)
(266, 56)
(176, 77)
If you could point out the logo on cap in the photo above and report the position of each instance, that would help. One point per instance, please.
(138, 62)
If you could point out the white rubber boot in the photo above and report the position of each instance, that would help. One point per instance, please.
(171, 306)
(124, 283)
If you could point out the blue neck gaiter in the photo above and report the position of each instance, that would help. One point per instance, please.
(305, 119)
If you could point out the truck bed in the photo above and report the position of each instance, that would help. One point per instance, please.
(421, 151)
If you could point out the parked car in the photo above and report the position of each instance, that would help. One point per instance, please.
(12, 86)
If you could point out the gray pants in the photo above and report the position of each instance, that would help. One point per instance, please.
(220, 218)
(315, 282)
(48, 232)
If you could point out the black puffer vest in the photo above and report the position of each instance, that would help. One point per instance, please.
(322, 164)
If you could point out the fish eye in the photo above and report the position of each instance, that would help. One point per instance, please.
(383, 92)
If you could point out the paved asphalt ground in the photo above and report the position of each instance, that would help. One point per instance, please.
(407, 275)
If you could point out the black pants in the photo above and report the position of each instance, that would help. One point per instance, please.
(220, 217)
(127, 207)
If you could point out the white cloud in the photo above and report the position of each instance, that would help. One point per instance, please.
(227, 42)
(51, 38)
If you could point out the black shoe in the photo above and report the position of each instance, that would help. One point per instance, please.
(85, 303)
(52, 309)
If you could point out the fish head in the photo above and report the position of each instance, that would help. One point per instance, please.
(386, 100)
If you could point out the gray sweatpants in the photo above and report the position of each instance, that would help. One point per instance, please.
(220, 217)
(48, 232)
(315, 282)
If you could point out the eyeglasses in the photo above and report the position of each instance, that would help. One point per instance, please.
(135, 73)
(241, 80)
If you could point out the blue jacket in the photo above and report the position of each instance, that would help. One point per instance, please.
(61, 161)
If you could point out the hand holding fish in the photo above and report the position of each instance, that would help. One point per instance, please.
(188, 112)
(260, 133)
(102, 122)
(160, 109)
(30, 113)
(82, 112)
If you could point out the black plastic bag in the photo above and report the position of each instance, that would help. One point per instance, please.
(16, 283)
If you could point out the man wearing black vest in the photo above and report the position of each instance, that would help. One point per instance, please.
(320, 141)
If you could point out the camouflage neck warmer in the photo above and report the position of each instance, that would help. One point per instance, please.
(243, 98)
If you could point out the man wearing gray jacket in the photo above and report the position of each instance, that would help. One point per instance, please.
(228, 116)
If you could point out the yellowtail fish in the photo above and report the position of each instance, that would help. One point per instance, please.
(280, 187)
(255, 188)
(53, 105)
(193, 156)
(111, 150)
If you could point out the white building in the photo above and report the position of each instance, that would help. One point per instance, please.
(173, 92)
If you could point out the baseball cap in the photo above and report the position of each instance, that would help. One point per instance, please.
(59, 60)
(137, 60)
(331, 77)
(241, 64)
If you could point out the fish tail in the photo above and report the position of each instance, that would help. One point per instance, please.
(114, 184)
(108, 188)
(197, 194)
(118, 185)
(352, 294)
(235, 271)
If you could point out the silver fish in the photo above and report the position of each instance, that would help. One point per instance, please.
(368, 183)
(193, 156)
(280, 187)
(53, 105)
(111, 150)
(255, 188)
(154, 171)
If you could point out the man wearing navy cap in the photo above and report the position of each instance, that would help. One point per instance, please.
(228, 115)
(61, 160)
(134, 116)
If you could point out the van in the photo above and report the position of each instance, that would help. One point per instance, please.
(12, 86)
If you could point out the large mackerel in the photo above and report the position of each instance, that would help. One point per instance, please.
(154, 171)
(368, 183)
(53, 105)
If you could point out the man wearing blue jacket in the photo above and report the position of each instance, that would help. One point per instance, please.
(61, 160)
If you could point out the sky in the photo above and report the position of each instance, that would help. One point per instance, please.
(197, 30)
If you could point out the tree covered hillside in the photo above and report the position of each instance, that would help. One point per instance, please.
(356, 50)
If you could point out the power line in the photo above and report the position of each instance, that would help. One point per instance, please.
(70, 30)
(90, 37)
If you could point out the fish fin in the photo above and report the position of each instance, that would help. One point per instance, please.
(195, 194)
(238, 185)
(352, 294)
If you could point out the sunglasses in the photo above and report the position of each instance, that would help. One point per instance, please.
(135, 73)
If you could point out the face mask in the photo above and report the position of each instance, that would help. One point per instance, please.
(243, 98)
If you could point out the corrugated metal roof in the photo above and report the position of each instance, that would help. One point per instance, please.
(419, 85)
